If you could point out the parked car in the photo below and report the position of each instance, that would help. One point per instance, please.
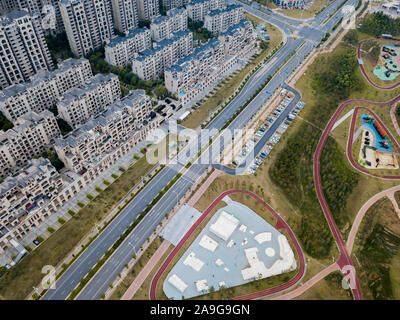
(36, 242)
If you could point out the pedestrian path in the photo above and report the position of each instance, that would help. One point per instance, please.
(142, 276)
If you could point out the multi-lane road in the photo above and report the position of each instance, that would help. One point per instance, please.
(308, 37)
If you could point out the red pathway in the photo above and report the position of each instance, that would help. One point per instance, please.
(280, 224)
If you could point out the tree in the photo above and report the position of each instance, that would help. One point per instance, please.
(264, 45)
(64, 126)
(351, 37)
(161, 91)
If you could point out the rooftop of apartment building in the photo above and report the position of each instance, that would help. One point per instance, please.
(89, 129)
(22, 123)
(191, 2)
(90, 85)
(27, 174)
(197, 54)
(231, 31)
(228, 8)
(170, 14)
(132, 33)
(13, 15)
(160, 45)
(19, 88)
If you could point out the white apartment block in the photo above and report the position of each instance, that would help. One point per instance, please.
(39, 7)
(109, 138)
(88, 144)
(44, 89)
(125, 14)
(198, 9)
(163, 27)
(23, 49)
(88, 24)
(220, 20)
(120, 51)
(32, 134)
(24, 197)
(171, 4)
(148, 9)
(81, 104)
(194, 73)
(150, 64)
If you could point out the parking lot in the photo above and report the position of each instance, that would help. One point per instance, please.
(262, 130)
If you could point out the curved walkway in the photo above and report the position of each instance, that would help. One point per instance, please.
(307, 285)
(363, 210)
(363, 69)
(280, 224)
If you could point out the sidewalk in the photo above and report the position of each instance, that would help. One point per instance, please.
(137, 283)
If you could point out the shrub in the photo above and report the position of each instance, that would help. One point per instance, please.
(106, 182)
(50, 229)
(61, 220)
(39, 238)
(114, 176)
(98, 189)
(71, 212)
(89, 196)
(81, 204)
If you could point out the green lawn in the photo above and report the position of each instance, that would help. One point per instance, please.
(316, 7)
(375, 253)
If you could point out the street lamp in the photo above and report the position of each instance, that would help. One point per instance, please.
(134, 250)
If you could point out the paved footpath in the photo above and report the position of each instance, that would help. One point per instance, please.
(137, 283)
(361, 213)
(308, 284)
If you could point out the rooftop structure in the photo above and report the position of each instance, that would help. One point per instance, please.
(163, 27)
(32, 134)
(220, 20)
(43, 90)
(81, 104)
(150, 64)
(120, 51)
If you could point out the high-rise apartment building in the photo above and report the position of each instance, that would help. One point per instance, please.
(43, 90)
(81, 104)
(150, 64)
(91, 142)
(163, 27)
(120, 51)
(148, 9)
(88, 24)
(171, 4)
(220, 20)
(209, 62)
(198, 9)
(23, 49)
(125, 14)
(32, 134)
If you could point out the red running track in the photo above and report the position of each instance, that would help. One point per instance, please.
(344, 258)
(280, 224)
(363, 69)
